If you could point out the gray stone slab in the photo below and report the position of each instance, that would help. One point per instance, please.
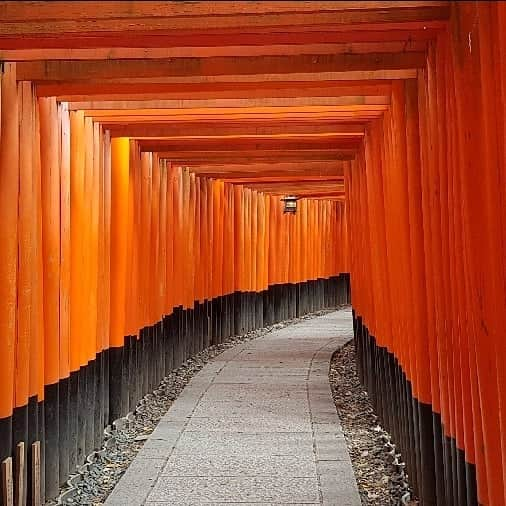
(249, 424)
(276, 371)
(285, 406)
(239, 465)
(277, 489)
(181, 409)
(325, 428)
(332, 450)
(339, 490)
(231, 503)
(168, 430)
(223, 443)
(261, 379)
(157, 449)
(136, 483)
(252, 392)
(333, 468)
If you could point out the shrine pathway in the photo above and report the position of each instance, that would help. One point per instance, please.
(256, 426)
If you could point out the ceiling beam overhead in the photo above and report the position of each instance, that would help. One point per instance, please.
(299, 186)
(306, 193)
(12, 11)
(176, 17)
(213, 91)
(281, 179)
(309, 78)
(207, 157)
(71, 70)
(254, 145)
(351, 113)
(156, 53)
(86, 92)
(405, 33)
(225, 129)
(236, 176)
(199, 141)
(319, 168)
(131, 105)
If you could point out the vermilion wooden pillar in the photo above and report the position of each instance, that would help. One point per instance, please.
(9, 187)
(421, 347)
(23, 423)
(65, 287)
(50, 169)
(120, 182)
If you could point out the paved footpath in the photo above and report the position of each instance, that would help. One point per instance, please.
(256, 426)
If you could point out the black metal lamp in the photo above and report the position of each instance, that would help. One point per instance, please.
(290, 204)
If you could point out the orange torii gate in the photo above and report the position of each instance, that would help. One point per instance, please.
(144, 148)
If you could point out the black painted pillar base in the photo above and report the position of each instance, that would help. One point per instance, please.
(20, 432)
(439, 473)
(116, 407)
(32, 437)
(5, 437)
(51, 401)
(64, 422)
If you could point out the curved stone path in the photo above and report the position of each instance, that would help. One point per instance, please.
(256, 426)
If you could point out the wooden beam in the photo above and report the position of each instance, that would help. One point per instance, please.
(352, 113)
(332, 198)
(69, 70)
(296, 188)
(295, 183)
(232, 111)
(341, 18)
(238, 175)
(93, 93)
(132, 105)
(307, 193)
(298, 77)
(12, 11)
(188, 131)
(68, 92)
(406, 33)
(221, 157)
(234, 147)
(252, 141)
(275, 169)
(299, 116)
(133, 53)
(280, 179)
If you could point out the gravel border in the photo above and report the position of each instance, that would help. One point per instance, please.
(377, 465)
(94, 481)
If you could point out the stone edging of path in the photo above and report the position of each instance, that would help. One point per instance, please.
(335, 472)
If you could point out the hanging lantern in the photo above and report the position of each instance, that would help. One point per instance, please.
(290, 204)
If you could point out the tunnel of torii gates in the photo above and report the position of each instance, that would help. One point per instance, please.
(145, 148)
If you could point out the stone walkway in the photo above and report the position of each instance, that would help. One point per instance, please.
(256, 426)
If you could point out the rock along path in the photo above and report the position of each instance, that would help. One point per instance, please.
(256, 426)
